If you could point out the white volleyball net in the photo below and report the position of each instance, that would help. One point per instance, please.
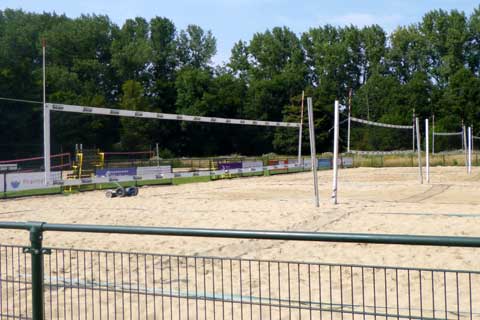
(448, 142)
(475, 143)
(370, 137)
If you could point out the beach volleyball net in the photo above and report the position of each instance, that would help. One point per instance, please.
(370, 137)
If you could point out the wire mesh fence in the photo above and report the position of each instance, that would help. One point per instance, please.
(91, 284)
(15, 287)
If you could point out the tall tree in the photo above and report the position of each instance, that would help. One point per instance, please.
(196, 47)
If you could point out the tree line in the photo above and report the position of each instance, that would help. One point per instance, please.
(430, 67)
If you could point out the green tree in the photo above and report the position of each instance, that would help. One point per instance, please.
(446, 34)
(196, 47)
(134, 132)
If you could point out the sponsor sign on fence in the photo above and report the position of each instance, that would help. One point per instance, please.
(229, 165)
(115, 172)
(8, 167)
(30, 180)
(145, 171)
(324, 163)
(347, 162)
(307, 163)
(2, 183)
(282, 164)
(24, 181)
(251, 164)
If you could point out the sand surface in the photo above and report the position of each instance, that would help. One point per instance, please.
(386, 201)
(371, 200)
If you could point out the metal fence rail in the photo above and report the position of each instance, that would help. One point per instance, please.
(93, 284)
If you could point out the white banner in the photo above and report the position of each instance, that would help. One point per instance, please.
(251, 164)
(30, 180)
(170, 175)
(165, 116)
(144, 171)
(347, 162)
(8, 167)
(307, 163)
(2, 183)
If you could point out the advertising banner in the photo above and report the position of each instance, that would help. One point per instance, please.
(252, 164)
(307, 163)
(324, 163)
(144, 171)
(115, 172)
(280, 163)
(229, 165)
(347, 162)
(2, 183)
(29, 180)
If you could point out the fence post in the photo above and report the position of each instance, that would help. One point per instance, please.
(5, 184)
(37, 252)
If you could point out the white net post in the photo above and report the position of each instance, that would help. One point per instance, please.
(419, 150)
(413, 132)
(427, 152)
(46, 122)
(433, 134)
(335, 153)
(349, 119)
(313, 150)
(469, 150)
(465, 147)
(300, 133)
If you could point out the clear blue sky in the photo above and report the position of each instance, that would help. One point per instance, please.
(233, 20)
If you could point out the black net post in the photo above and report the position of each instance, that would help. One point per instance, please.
(36, 251)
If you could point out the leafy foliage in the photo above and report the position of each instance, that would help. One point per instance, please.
(431, 67)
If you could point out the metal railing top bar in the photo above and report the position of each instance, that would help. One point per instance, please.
(413, 240)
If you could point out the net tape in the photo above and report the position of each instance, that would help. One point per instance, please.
(165, 116)
(379, 124)
(451, 152)
(381, 152)
(448, 133)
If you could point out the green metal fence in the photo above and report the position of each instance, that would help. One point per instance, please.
(55, 283)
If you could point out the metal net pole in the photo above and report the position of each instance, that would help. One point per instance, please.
(46, 122)
(427, 151)
(335, 153)
(313, 150)
(419, 150)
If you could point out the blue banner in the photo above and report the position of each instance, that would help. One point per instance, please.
(115, 172)
(325, 163)
(229, 165)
